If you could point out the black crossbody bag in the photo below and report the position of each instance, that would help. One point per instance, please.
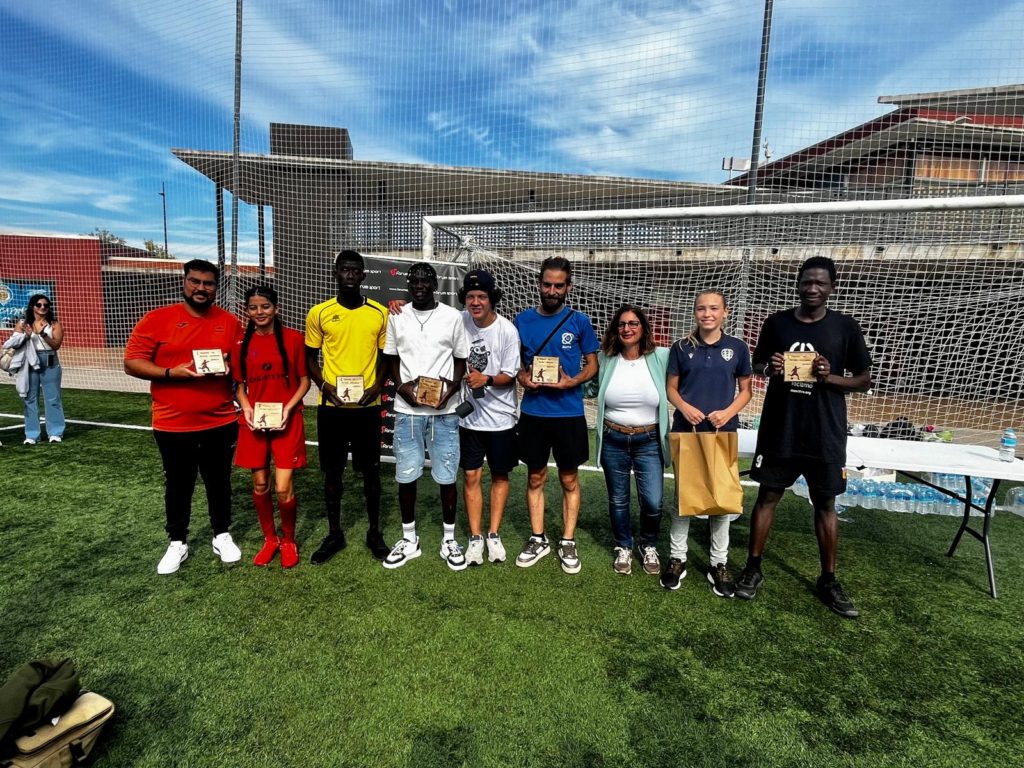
(544, 343)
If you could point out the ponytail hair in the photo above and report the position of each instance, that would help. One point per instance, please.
(268, 293)
(693, 338)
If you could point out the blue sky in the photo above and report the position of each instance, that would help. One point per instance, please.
(96, 92)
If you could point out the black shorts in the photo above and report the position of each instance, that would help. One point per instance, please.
(341, 430)
(498, 447)
(564, 436)
(823, 478)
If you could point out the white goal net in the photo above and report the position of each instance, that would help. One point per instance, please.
(938, 294)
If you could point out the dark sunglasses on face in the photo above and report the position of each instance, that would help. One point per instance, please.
(42, 305)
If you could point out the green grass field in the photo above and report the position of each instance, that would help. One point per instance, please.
(351, 665)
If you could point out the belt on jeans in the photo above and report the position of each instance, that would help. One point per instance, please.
(629, 430)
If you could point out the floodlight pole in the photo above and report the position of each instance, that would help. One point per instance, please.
(236, 140)
(740, 315)
(163, 194)
(762, 78)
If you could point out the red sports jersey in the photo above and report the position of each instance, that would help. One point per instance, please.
(264, 372)
(167, 336)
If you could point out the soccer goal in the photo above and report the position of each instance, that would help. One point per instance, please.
(937, 285)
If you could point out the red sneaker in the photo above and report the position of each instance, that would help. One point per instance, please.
(265, 555)
(289, 554)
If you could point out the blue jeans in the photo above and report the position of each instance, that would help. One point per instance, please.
(49, 379)
(642, 454)
(415, 436)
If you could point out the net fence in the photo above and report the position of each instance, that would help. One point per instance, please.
(266, 135)
(942, 314)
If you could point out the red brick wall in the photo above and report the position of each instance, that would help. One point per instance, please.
(73, 266)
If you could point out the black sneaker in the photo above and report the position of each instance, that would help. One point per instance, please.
(831, 593)
(329, 547)
(746, 586)
(375, 543)
(721, 581)
(675, 572)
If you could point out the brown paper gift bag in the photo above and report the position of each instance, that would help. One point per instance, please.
(707, 473)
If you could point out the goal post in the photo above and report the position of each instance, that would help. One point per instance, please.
(937, 285)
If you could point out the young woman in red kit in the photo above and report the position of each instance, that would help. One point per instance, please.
(269, 364)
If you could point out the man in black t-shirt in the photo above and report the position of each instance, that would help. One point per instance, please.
(803, 423)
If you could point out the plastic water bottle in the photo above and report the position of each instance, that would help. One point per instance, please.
(906, 500)
(889, 497)
(1008, 445)
(1015, 501)
(852, 497)
(872, 496)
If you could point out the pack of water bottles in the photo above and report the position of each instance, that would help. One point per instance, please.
(914, 498)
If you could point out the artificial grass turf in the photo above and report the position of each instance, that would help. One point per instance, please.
(348, 664)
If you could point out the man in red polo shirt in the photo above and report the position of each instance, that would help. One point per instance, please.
(194, 419)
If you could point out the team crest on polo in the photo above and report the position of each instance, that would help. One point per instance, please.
(727, 354)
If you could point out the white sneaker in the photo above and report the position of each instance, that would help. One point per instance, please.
(475, 550)
(403, 551)
(29, 441)
(623, 563)
(495, 549)
(451, 552)
(567, 556)
(533, 551)
(224, 546)
(176, 554)
(54, 439)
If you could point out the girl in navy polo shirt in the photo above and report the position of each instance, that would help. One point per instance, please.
(709, 384)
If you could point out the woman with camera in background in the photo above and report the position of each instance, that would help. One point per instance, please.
(46, 334)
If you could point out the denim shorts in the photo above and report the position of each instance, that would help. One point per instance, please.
(416, 436)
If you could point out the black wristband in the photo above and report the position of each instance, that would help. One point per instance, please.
(167, 373)
(490, 381)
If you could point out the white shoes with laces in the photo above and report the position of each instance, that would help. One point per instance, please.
(176, 554)
(224, 547)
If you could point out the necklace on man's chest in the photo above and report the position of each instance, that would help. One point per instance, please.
(429, 315)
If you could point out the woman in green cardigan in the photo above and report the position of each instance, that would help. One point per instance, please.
(632, 434)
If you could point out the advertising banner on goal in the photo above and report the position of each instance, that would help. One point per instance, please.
(386, 280)
(14, 296)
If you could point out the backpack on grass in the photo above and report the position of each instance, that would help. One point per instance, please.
(68, 742)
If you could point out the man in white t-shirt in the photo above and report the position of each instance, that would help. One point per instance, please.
(427, 350)
(490, 430)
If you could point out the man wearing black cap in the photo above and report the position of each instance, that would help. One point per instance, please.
(489, 430)
(427, 350)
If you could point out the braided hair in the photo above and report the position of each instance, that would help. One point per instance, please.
(266, 292)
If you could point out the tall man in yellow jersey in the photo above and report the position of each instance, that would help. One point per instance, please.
(349, 332)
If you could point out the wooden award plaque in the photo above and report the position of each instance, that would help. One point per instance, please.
(545, 370)
(350, 389)
(798, 366)
(208, 361)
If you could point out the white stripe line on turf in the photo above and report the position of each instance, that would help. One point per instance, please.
(385, 459)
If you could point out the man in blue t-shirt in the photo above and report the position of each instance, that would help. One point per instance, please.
(552, 419)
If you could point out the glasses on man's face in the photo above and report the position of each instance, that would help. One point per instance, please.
(42, 305)
(195, 283)
(629, 324)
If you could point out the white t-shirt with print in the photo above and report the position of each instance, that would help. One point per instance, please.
(492, 350)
